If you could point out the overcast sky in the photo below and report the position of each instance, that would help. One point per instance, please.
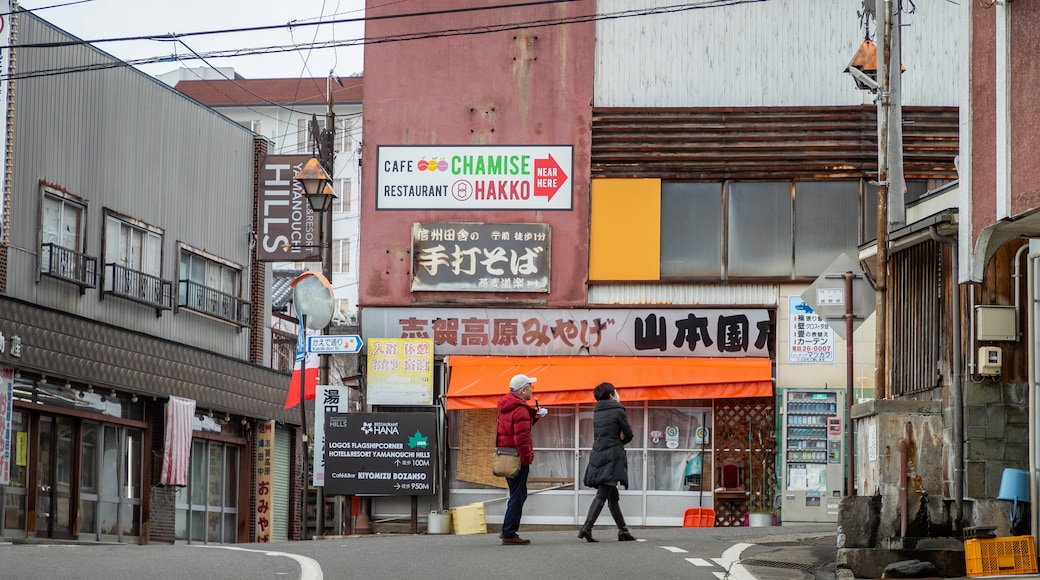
(93, 20)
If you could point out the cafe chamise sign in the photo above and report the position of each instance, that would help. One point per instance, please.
(474, 177)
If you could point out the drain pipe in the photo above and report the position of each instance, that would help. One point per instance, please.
(902, 445)
(957, 389)
(1031, 313)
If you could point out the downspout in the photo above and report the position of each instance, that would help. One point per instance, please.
(1031, 346)
(957, 389)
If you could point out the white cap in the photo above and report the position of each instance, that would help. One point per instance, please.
(519, 382)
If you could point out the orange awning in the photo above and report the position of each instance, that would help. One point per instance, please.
(478, 382)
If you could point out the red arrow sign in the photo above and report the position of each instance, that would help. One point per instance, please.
(548, 177)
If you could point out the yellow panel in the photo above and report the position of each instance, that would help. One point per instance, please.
(625, 230)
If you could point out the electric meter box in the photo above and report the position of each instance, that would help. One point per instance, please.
(995, 323)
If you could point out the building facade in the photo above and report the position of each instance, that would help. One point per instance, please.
(687, 182)
(132, 312)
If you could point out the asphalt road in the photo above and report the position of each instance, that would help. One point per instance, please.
(661, 553)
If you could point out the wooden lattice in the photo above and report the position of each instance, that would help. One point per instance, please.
(745, 430)
(477, 430)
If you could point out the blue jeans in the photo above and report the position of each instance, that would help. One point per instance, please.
(517, 497)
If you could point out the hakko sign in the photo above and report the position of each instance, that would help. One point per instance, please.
(288, 228)
(475, 177)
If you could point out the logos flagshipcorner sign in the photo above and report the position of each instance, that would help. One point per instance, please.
(506, 177)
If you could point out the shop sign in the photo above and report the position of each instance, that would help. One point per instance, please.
(380, 453)
(461, 177)
(551, 332)
(480, 257)
(12, 347)
(330, 399)
(264, 480)
(288, 230)
(400, 371)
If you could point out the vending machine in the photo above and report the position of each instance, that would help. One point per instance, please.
(813, 453)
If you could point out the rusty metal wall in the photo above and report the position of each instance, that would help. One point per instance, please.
(767, 143)
(917, 317)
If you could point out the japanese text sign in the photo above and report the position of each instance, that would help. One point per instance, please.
(400, 371)
(380, 453)
(480, 257)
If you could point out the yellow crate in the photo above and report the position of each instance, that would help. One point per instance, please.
(1000, 556)
(468, 519)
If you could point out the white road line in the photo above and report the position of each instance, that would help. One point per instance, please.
(673, 549)
(309, 569)
(730, 560)
(699, 562)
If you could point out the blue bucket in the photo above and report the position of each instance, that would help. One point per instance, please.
(1014, 485)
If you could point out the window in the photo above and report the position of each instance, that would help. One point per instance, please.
(63, 225)
(758, 229)
(340, 256)
(207, 509)
(211, 287)
(133, 261)
(343, 190)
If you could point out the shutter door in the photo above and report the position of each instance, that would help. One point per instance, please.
(280, 509)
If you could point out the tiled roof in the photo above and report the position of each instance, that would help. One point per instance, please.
(281, 291)
(267, 91)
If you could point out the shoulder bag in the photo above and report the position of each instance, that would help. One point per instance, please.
(507, 462)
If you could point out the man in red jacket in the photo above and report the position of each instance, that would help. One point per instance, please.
(515, 418)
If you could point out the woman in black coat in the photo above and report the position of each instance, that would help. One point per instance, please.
(608, 465)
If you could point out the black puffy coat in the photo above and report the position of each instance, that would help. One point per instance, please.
(608, 463)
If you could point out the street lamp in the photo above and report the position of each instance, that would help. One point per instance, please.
(318, 191)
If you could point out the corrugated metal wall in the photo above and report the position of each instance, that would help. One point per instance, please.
(776, 53)
(124, 141)
(766, 143)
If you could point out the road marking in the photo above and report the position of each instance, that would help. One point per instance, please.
(309, 569)
(699, 562)
(730, 561)
(673, 549)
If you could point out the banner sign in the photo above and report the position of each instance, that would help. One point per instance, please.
(6, 403)
(288, 226)
(812, 340)
(550, 332)
(463, 177)
(480, 257)
(380, 453)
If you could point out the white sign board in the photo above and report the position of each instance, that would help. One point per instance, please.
(461, 177)
(328, 399)
(812, 340)
(334, 344)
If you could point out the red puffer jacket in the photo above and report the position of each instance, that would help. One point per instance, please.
(515, 418)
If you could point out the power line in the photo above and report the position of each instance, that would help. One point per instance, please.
(475, 30)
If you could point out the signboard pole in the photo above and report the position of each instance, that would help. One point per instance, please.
(303, 425)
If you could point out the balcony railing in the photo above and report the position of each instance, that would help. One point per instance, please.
(211, 302)
(69, 265)
(138, 287)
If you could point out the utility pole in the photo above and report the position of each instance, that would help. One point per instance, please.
(325, 140)
(884, 59)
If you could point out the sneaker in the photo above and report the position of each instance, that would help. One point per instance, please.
(515, 541)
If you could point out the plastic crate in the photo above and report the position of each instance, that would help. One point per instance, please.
(1000, 556)
(468, 519)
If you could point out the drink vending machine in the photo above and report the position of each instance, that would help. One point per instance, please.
(813, 453)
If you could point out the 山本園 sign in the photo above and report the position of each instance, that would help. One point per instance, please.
(501, 177)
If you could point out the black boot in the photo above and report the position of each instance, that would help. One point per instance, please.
(586, 530)
(623, 534)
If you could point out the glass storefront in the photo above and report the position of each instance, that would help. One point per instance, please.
(669, 461)
(207, 508)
